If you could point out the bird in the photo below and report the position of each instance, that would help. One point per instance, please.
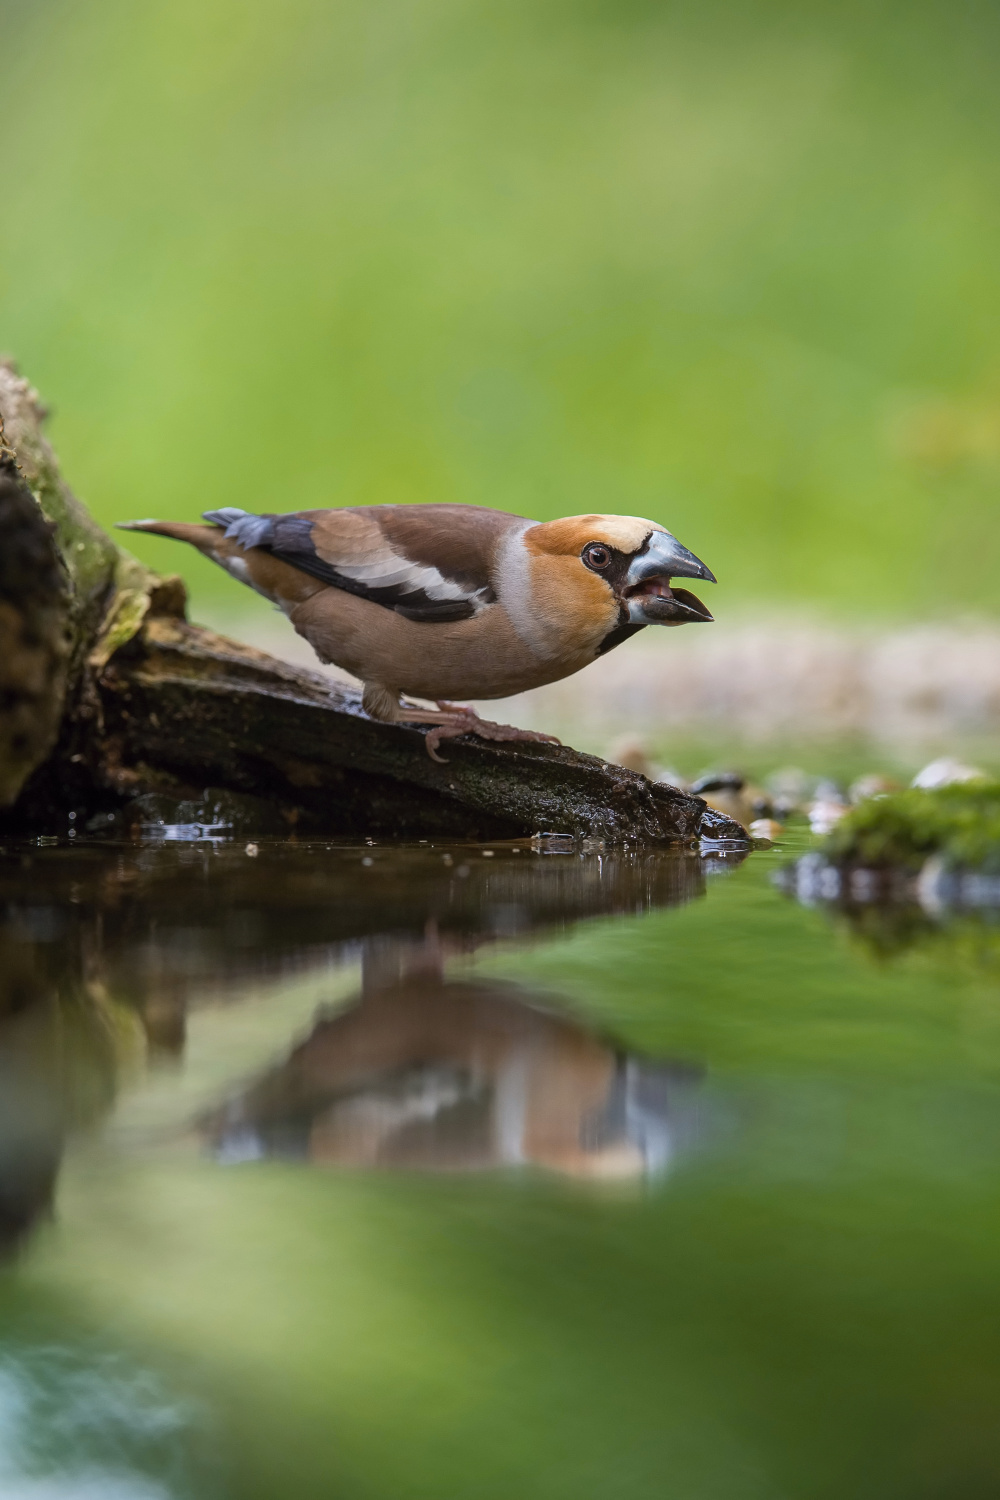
(449, 601)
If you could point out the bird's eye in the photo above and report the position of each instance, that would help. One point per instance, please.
(596, 556)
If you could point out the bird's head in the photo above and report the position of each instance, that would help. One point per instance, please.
(619, 567)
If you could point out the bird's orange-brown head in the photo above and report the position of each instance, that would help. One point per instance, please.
(610, 573)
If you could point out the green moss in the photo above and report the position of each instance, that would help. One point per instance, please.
(960, 823)
(89, 554)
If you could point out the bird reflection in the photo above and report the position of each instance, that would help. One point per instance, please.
(104, 949)
(429, 1073)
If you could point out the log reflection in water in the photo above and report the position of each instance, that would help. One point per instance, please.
(60, 1048)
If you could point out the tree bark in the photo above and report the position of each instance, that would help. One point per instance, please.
(115, 709)
(34, 640)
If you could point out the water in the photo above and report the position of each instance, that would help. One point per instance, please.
(440, 1172)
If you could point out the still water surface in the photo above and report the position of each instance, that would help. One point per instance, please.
(382, 1173)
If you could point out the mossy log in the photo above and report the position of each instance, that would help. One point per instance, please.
(115, 708)
(34, 639)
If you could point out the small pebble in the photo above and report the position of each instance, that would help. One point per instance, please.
(825, 814)
(252, 850)
(367, 860)
(946, 772)
(487, 853)
(667, 776)
(863, 885)
(631, 753)
(718, 781)
(790, 787)
(765, 828)
(872, 785)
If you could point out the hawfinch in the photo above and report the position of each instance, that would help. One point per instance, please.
(452, 601)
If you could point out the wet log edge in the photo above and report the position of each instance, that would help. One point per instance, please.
(212, 711)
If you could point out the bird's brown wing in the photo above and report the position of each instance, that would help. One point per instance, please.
(427, 562)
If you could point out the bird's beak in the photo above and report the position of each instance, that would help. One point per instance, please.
(647, 594)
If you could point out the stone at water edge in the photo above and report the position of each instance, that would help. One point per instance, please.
(872, 784)
(946, 772)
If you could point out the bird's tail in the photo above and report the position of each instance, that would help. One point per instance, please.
(205, 538)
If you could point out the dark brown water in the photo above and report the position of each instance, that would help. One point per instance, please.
(392, 1172)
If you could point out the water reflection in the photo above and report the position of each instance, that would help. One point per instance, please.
(952, 915)
(59, 1052)
(104, 950)
(423, 1072)
(812, 1292)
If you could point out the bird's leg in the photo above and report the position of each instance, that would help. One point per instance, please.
(450, 720)
(467, 721)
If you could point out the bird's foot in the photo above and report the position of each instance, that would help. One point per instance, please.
(450, 721)
(461, 721)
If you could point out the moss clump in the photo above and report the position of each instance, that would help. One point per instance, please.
(960, 823)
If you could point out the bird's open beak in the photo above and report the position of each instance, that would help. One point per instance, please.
(648, 595)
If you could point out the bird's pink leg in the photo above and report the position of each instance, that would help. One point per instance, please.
(485, 729)
(452, 720)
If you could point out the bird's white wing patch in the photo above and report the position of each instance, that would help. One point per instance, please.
(392, 571)
(349, 550)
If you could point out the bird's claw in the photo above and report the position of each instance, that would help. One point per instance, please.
(468, 722)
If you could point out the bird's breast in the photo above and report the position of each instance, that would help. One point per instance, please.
(482, 657)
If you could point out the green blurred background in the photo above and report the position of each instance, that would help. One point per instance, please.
(732, 265)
